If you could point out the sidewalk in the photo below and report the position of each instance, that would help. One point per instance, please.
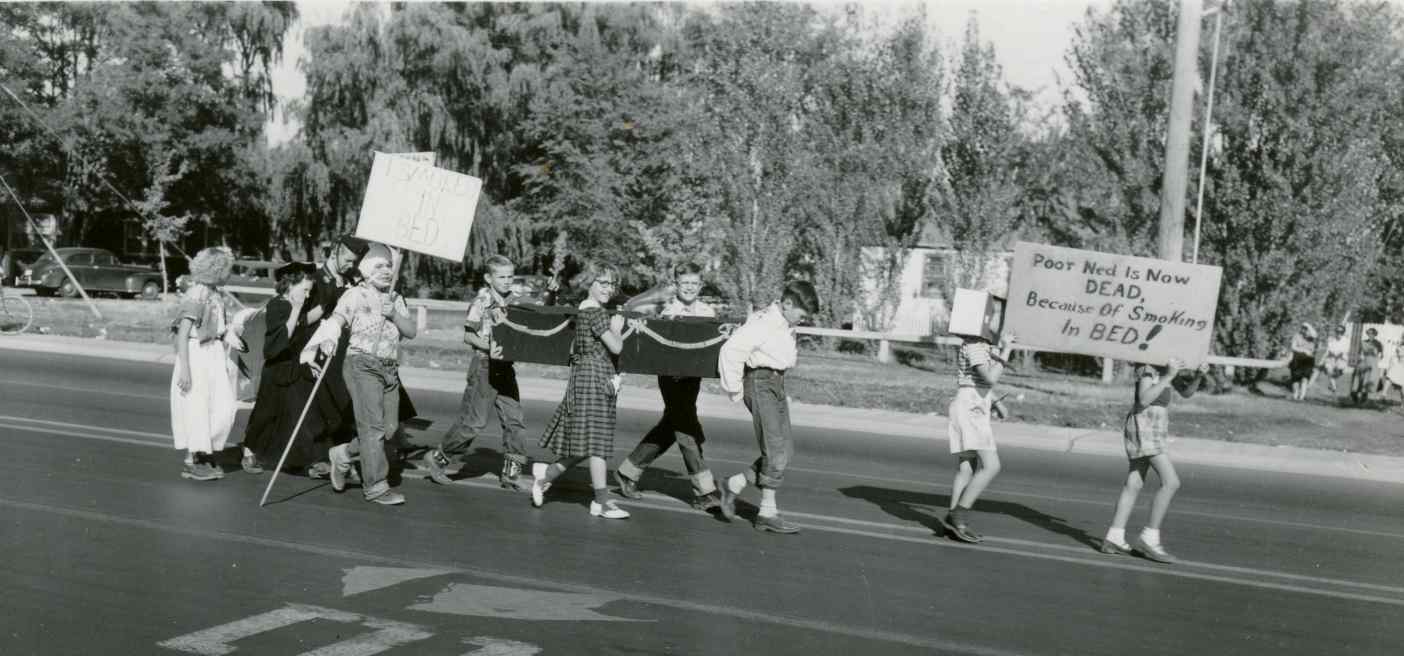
(878, 423)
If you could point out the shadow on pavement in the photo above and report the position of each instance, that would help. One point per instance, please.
(926, 509)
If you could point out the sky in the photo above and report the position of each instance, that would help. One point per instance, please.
(1029, 37)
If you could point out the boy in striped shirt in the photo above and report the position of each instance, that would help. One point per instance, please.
(979, 366)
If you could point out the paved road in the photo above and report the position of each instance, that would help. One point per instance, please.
(109, 551)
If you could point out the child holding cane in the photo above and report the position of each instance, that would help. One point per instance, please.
(1146, 434)
(378, 319)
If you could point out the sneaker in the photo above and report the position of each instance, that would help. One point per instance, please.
(1109, 547)
(250, 464)
(216, 471)
(508, 479)
(727, 503)
(434, 463)
(628, 488)
(340, 465)
(538, 484)
(776, 524)
(1155, 552)
(958, 529)
(389, 498)
(608, 510)
(197, 472)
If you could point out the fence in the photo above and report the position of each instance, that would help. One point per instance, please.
(884, 340)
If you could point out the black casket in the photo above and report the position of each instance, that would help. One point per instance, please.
(686, 346)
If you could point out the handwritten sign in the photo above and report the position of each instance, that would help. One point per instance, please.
(416, 206)
(1128, 308)
(426, 158)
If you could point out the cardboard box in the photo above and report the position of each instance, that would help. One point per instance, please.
(977, 314)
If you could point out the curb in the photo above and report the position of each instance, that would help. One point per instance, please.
(880, 423)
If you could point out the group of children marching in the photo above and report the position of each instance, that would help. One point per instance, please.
(348, 333)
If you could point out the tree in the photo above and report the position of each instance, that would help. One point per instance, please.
(1293, 202)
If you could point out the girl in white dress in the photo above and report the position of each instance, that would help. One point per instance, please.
(203, 383)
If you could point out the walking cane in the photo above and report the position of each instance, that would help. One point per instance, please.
(310, 399)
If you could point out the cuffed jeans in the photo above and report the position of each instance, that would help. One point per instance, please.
(491, 384)
(764, 393)
(680, 426)
(374, 385)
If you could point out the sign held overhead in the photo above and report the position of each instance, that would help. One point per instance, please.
(416, 206)
(1138, 309)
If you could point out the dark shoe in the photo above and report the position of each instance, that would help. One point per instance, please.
(627, 487)
(1109, 547)
(434, 463)
(250, 464)
(197, 472)
(727, 505)
(776, 524)
(1155, 552)
(707, 502)
(958, 529)
(508, 479)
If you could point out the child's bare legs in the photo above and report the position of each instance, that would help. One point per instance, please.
(985, 472)
(965, 469)
(1135, 479)
(1169, 485)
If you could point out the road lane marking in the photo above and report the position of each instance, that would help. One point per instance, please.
(877, 530)
(489, 646)
(521, 604)
(878, 635)
(365, 579)
(85, 390)
(385, 635)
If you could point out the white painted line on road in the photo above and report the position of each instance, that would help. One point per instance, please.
(875, 530)
(86, 390)
(387, 634)
(83, 427)
(993, 494)
(514, 580)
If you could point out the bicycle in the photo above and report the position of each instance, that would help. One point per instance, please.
(16, 314)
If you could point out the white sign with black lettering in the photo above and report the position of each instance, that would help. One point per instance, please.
(419, 207)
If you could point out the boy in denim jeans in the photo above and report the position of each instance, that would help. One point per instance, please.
(752, 364)
(492, 382)
(377, 319)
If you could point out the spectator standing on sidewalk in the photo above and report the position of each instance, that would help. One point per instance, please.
(752, 365)
(203, 391)
(492, 383)
(1337, 354)
(1367, 371)
(979, 366)
(1303, 363)
(679, 424)
(1146, 435)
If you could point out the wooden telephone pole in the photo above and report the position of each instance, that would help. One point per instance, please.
(1174, 184)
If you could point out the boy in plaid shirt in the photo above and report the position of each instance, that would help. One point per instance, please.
(492, 382)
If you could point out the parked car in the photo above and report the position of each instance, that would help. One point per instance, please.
(97, 270)
(176, 265)
(15, 261)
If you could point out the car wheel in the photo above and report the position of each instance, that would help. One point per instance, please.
(151, 290)
(68, 289)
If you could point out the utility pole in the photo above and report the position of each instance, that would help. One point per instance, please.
(1174, 184)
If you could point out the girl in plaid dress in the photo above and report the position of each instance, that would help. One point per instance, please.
(583, 426)
(1146, 433)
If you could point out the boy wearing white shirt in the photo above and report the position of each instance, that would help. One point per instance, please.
(752, 365)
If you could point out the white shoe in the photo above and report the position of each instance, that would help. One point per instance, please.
(538, 484)
(340, 466)
(608, 510)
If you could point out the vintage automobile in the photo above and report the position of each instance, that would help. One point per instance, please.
(97, 270)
